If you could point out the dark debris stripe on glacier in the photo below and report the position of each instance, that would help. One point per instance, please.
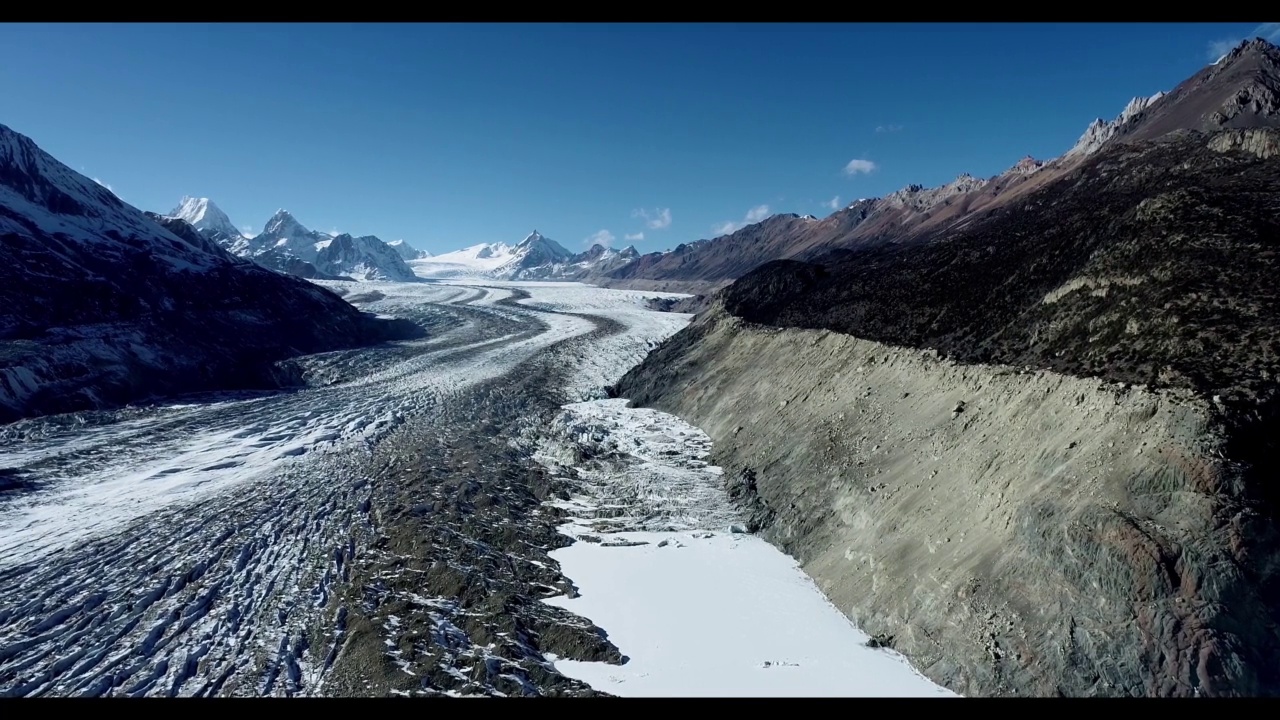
(412, 566)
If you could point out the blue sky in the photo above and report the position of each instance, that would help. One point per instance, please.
(451, 135)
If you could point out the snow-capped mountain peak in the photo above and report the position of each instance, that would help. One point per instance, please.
(536, 256)
(407, 251)
(283, 224)
(364, 258)
(208, 218)
(488, 251)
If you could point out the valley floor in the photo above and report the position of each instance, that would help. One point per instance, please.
(402, 526)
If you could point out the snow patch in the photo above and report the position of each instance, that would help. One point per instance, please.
(664, 566)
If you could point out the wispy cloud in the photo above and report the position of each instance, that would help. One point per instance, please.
(859, 167)
(888, 128)
(633, 237)
(833, 203)
(105, 185)
(247, 230)
(602, 237)
(754, 215)
(1266, 31)
(657, 219)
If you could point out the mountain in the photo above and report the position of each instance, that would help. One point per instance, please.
(536, 257)
(475, 261)
(283, 232)
(209, 220)
(101, 304)
(1033, 445)
(286, 246)
(363, 258)
(407, 251)
(1240, 92)
(534, 252)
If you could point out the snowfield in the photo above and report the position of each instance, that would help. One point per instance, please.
(225, 545)
(699, 607)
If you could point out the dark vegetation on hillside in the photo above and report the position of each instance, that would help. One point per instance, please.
(1152, 264)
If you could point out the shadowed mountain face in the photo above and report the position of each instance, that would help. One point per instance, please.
(101, 304)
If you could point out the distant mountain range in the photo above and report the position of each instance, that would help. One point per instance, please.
(1233, 93)
(285, 245)
(535, 258)
(102, 304)
(1239, 92)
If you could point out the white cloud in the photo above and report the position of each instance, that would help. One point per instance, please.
(833, 203)
(754, 215)
(888, 128)
(105, 185)
(658, 219)
(634, 237)
(856, 167)
(757, 213)
(247, 230)
(603, 237)
(1266, 31)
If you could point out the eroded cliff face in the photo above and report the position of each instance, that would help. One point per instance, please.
(1014, 532)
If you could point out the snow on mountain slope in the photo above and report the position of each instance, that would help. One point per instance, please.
(42, 199)
(537, 257)
(287, 246)
(535, 251)
(362, 258)
(407, 251)
(284, 232)
(206, 217)
(475, 261)
(102, 305)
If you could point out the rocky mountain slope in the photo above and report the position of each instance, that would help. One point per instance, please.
(1037, 447)
(1240, 92)
(102, 305)
(535, 258)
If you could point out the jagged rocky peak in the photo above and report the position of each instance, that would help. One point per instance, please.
(538, 249)
(1258, 47)
(919, 198)
(1257, 91)
(203, 215)
(1026, 166)
(1100, 131)
(629, 251)
(283, 223)
(595, 252)
(1240, 91)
